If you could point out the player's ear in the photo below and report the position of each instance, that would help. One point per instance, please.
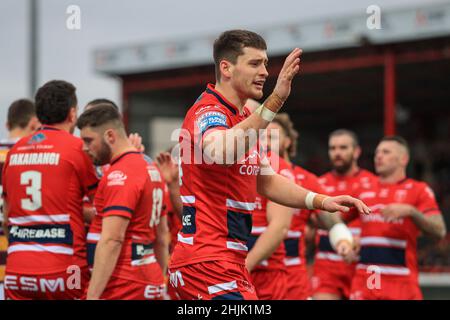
(225, 69)
(287, 143)
(72, 116)
(109, 136)
(357, 152)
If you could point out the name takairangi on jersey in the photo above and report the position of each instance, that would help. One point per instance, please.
(39, 158)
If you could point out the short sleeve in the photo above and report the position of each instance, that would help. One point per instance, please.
(208, 119)
(426, 201)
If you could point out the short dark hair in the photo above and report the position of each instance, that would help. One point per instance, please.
(100, 115)
(231, 43)
(99, 101)
(20, 112)
(54, 101)
(342, 132)
(400, 140)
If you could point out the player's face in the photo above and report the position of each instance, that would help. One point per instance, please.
(342, 153)
(276, 133)
(249, 73)
(95, 146)
(388, 158)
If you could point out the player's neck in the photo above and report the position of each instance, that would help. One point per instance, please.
(394, 177)
(121, 148)
(231, 95)
(64, 126)
(349, 173)
(16, 134)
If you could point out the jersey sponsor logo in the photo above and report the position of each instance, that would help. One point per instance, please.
(367, 195)
(211, 119)
(116, 178)
(41, 234)
(34, 284)
(400, 195)
(249, 170)
(188, 220)
(38, 158)
(37, 138)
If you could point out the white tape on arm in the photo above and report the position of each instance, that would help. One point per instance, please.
(309, 200)
(265, 113)
(338, 233)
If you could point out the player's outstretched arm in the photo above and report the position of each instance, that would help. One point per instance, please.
(433, 225)
(222, 144)
(162, 244)
(5, 218)
(282, 191)
(341, 238)
(106, 254)
(279, 219)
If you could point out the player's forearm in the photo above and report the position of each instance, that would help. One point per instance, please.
(282, 191)
(106, 255)
(433, 226)
(5, 219)
(229, 146)
(162, 252)
(328, 219)
(266, 244)
(175, 199)
(162, 244)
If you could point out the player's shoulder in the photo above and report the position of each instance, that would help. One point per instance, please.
(326, 177)
(305, 174)
(364, 174)
(410, 183)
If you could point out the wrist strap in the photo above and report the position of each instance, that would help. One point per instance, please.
(265, 113)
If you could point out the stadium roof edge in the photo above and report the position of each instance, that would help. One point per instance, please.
(399, 24)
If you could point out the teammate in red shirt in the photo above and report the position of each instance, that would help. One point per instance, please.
(266, 255)
(332, 275)
(45, 178)
(128, 202)
(402, 209)
(220, 172)
(21, 121)
(293, 257)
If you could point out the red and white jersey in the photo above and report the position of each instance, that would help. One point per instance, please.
(295, 240)
(335, 185)
(392, 246)
(133, 189)
(45, 177)
(5, 146)
(260, 223)
(217, 199)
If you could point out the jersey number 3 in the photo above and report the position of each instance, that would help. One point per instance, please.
(33, 182)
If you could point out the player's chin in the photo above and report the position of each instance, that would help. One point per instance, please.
(256, 93)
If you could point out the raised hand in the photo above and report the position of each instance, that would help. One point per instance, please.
(168, 168)
(290, 68)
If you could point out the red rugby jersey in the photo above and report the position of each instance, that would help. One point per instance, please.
(276, 260)
(134, 189)
(45, 178)
(335, 185)
(392, 246)
(218, 199)
(295, 241)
